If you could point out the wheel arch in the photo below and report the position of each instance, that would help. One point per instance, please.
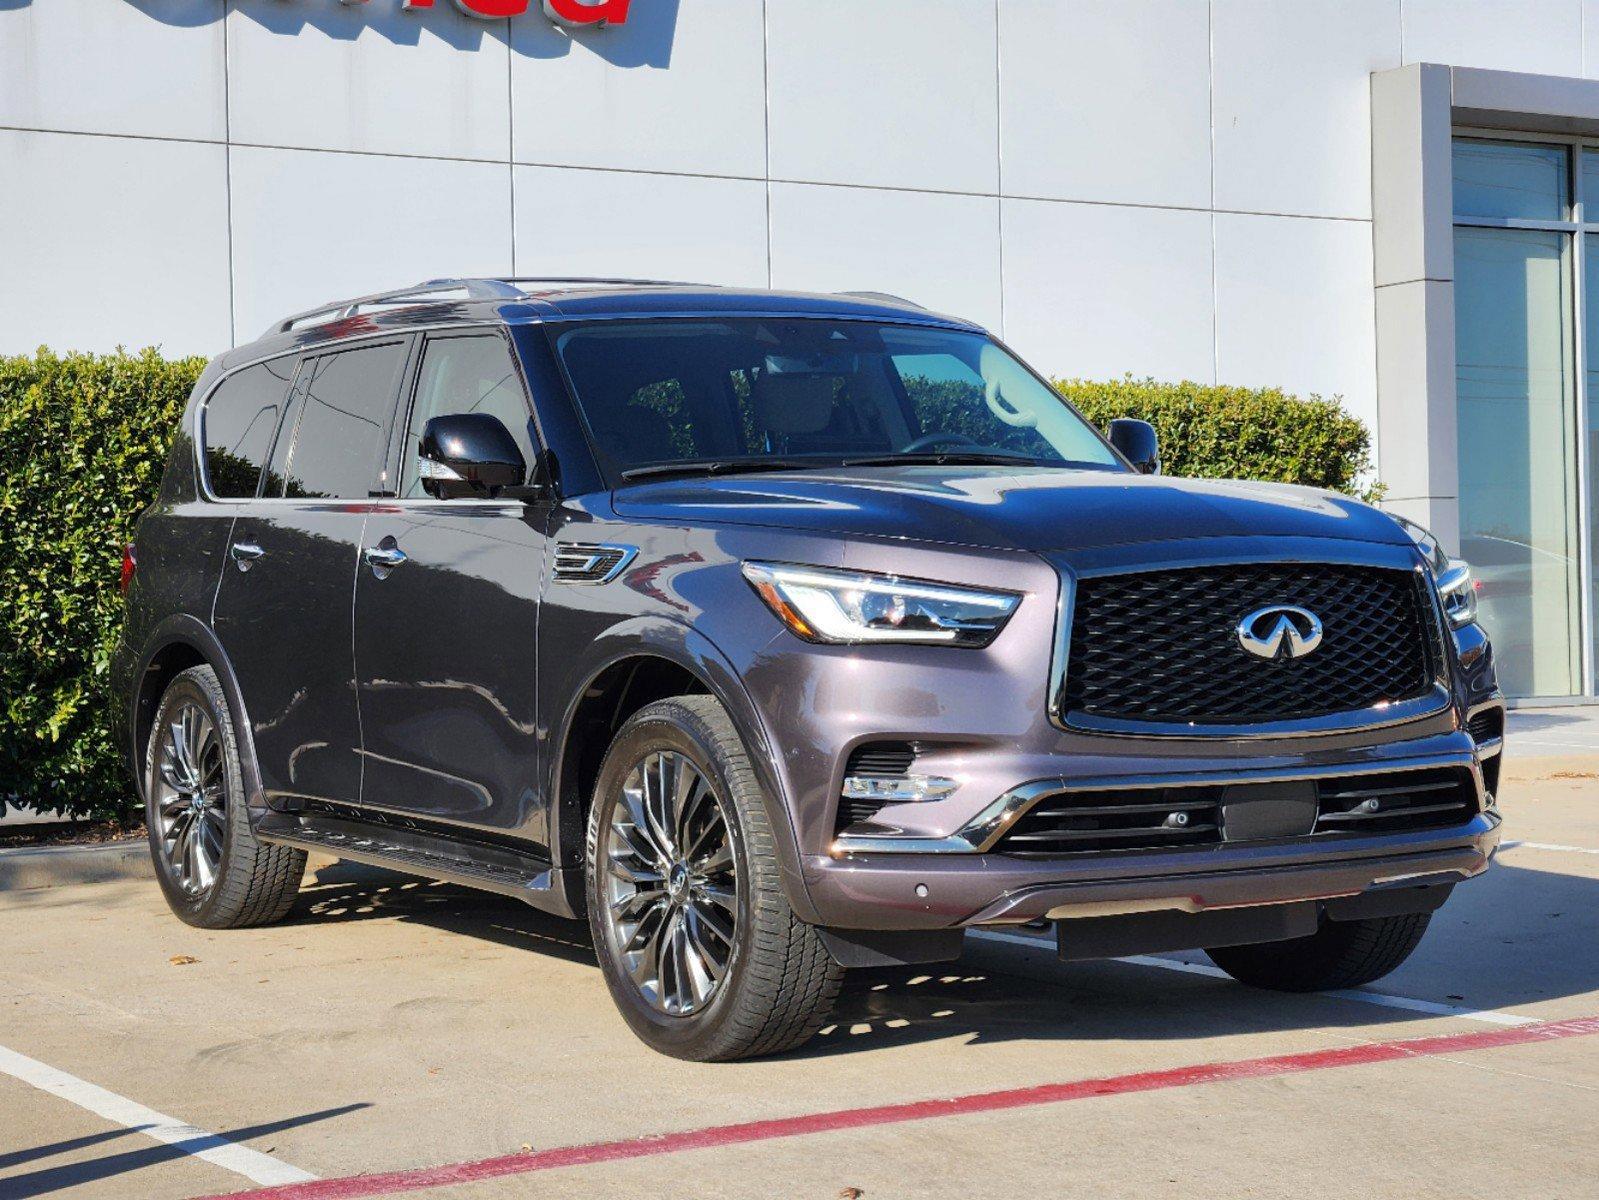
(179, 642)
(630, 666)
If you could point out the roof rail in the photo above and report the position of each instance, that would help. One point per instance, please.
(422, 293)
(507, 287)
(885, 296)
(612, 281)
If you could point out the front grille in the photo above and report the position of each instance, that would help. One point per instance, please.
(1395, 801)
(1190, 816)
(875, 760)
(1162, 645)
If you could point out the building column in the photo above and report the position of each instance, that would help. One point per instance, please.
(1414, 271)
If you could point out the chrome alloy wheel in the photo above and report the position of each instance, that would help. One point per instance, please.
(190, 803)
(671, 884)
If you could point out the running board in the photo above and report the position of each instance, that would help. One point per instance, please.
(524, 877)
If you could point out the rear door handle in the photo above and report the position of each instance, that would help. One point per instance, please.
(383, 559)
(245, 553)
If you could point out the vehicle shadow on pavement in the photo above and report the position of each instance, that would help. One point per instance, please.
(1516, 936)
(45, 1180)
(353, 892)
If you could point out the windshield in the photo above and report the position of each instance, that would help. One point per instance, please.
(763, 393)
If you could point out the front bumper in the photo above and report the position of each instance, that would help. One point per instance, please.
(872, 883)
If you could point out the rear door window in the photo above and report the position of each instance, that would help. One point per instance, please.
(341, 427)
(237, 425)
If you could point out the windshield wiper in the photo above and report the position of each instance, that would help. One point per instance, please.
(721, 466)
(948, 458)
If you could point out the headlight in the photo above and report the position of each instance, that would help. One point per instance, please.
(823, 605)
(1456, 588)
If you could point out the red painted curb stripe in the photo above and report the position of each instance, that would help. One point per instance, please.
(354, 1186)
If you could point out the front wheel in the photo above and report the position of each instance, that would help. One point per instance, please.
(1341, 954)
(699, 947)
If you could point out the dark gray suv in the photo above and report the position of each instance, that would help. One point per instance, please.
(781, 634)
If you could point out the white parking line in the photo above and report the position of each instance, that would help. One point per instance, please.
(1382, 999)
(1547, 846)
(230, 1156)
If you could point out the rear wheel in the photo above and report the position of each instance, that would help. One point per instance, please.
(696, 939)
(213, 869)
(1341, 954)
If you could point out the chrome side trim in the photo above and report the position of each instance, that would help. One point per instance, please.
(576, 562)
(975, 836)
(987, 827)
(1064, 605)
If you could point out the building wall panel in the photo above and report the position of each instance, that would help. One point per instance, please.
(372, 78)
(312, 226)
(1104, 100)
(679, 88)
(897, 93)
(112, 241)
(941, 251)
(622, 223)
(1293, 103)
(1100, 290)
(1295, 308)
(111, 66)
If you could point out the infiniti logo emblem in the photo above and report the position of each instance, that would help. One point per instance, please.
(1280, 631)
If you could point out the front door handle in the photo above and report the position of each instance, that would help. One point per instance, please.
(383, 557)
(245, 553)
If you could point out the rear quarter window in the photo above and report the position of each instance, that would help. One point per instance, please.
(237, 425)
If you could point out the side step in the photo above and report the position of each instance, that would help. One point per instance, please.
(489, 869)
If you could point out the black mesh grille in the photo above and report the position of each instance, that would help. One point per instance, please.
(1162, 646)
(877, 760)
(1486, 726)
(882, 760)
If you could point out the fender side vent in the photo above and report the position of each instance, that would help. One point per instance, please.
(584, 562)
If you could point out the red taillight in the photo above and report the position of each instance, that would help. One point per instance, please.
(130, 564)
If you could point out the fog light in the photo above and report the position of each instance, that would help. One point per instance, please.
(903, 789)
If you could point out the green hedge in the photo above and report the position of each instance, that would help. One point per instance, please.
(1214, 432)
(83, 440)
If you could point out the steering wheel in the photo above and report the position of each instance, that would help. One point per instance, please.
(929, 441)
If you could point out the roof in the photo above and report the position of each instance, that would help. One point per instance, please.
(526, 301)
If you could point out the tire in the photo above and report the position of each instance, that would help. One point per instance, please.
(221, 876)
(777, 982)
(1341, 954)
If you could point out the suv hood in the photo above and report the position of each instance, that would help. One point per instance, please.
(1029, 508)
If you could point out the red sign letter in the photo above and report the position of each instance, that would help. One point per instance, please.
(491, 10)
(586, 12)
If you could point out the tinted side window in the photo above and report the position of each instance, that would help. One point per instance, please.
(238, 424)
(465, 375)
(342, 427)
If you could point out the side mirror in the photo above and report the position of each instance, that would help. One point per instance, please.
(1138, 444)
(468, 454)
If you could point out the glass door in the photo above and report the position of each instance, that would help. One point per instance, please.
(1516, 382)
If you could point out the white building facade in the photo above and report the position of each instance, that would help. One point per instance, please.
(1330, 196)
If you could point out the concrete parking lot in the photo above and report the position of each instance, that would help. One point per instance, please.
(398, 1035)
